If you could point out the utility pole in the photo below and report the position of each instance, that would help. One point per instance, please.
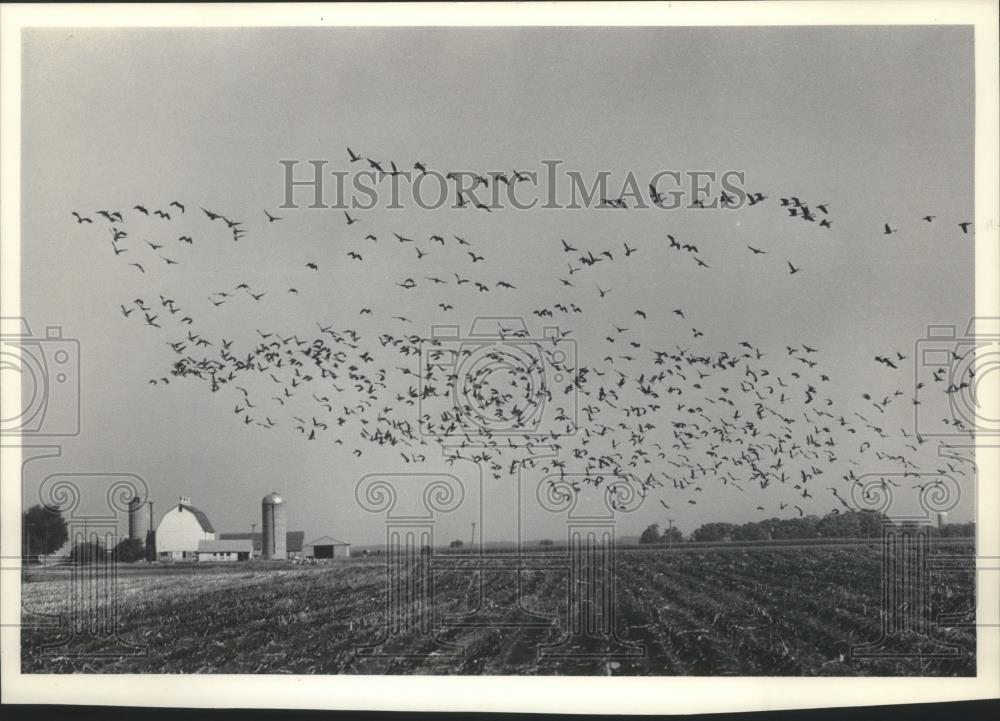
(473, 541)
(670, 535)
(253, 533)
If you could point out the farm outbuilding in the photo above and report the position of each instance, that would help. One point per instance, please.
(326, 547)
(224, 550)
(293, 541)
(180, 531)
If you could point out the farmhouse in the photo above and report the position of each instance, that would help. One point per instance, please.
(293, 541)
(180, 531)
(326, 547)
(224, 550)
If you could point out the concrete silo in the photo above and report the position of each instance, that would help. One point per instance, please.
(140, 519)
(140, 525)
(275, 525)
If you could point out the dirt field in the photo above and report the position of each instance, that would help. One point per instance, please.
(726, 611)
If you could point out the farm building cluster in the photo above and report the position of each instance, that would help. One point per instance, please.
(185, 533)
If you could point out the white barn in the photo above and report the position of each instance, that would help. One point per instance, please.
(180, 531)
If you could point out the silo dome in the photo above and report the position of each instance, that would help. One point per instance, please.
(273, 498)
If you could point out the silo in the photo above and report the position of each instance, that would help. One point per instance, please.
(275, 527)
(140, 519)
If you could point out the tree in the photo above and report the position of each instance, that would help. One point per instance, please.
(957, 530)
(713, 532)
(672, 535)
(751, 532)
(838, 524)
(799, 527)
(45, 531)
(545, 542)
(87, 552)
(870, 524)
(651, 534)
(130, 550)
(456, 544)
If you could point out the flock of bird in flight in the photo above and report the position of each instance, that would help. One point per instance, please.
(679, 417)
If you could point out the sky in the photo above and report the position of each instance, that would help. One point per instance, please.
(875, 122)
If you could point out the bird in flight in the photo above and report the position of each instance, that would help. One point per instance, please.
(81, 219)
(177, 205)
(351, 154)
(964, 227)
(312, 266)
(792, 270)
(271, 218)
(350, 220)
(886, 361)
(757, 251)
(888, 230)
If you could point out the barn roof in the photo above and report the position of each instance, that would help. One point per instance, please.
(224, 546)
(293, 539)
(327, 541)
(206, 525)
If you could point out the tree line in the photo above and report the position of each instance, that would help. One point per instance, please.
(836, 524)
(44, 531)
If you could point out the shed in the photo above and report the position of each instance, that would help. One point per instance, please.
(224, 550)
(293, 541)
(327, 547)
